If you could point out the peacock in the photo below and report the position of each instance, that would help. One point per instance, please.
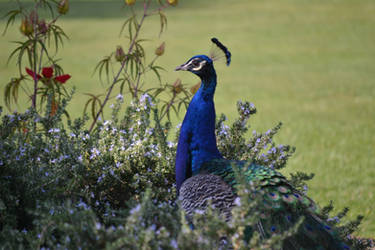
(204, 176)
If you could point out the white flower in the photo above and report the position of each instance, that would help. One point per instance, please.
(54, 130)
(120, 97)
(82, 204)
(146, 99)
(100, 179)
(135, 209)
(95, 152)
(199, 211)
(174, 244)
(237, 201)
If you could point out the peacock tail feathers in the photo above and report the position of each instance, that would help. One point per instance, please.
(280, 207)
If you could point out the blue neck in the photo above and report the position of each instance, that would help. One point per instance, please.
(197, 141)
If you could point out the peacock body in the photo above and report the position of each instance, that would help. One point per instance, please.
(204, 177)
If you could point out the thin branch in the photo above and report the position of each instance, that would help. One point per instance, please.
(35, 57)
(171, 102)
(145, 8)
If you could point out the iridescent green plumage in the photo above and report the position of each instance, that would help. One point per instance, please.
(281, 205)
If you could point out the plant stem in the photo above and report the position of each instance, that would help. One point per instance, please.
(145, 8)
(34, 66)
(168, 106)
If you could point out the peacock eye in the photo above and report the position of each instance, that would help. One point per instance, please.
(195, 63)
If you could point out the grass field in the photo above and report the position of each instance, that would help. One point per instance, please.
(309, 64)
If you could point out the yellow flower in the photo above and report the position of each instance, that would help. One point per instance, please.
(63, 7)
(26, 27)
(129, 2)
(172, 2)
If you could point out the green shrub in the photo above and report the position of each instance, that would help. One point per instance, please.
(114, 188)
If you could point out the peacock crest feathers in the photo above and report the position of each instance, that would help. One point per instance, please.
(218, 51)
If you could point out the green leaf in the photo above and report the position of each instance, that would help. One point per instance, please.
(11, 18)
(11, 91)
(163, 22)
(156, 69)
(105, 65)
(58, 35)
(95, 102)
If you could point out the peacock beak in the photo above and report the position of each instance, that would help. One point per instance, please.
(182, 67)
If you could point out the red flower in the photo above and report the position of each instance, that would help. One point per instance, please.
(34, 75)
(47, 72)
(62, 78)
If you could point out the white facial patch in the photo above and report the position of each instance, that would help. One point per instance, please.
(197, 65)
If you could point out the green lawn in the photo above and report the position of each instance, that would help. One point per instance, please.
(309, 64)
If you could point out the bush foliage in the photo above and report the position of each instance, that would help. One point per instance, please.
(112, 185)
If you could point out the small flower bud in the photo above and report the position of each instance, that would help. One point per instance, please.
(195, 88)
(172, 2)
(63, 7)
(119, 55)
(177, 86)
(129, 2)
(160, 50)
(42, 26)
(26, 27)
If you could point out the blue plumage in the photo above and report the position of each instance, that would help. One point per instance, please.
(197, 142)
(203, 175)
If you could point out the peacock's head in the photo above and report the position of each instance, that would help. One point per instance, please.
(200, 65)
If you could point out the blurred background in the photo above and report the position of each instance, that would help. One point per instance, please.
(309, 64)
